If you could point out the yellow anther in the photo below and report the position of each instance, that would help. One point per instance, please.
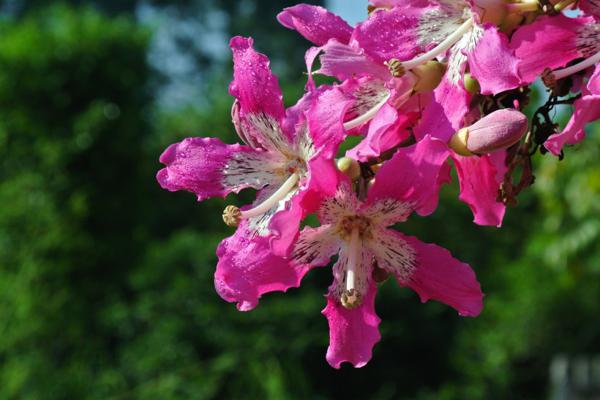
(396, 68)
(232, 216)
(351, 299)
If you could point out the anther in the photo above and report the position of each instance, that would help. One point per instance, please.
(232, 216)
(351, 298)
(396, 68)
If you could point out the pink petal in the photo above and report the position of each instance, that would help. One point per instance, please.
(439, 276)
(316, 246)
(383, 134)
(284, 226)
(315, 23)
(493, 64)
(445, 113)
(352, 332)
(257, 91)
(586, 110)
(200, 165)
(413, 175)
(325, 120)
(480, 179)
(344, 61)
(550, 42)
(390, 34)
(247, 269)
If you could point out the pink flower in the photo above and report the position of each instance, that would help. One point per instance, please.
(357, 231)
(282, 150)
(586, 110)
(553, 41)
(391, 103)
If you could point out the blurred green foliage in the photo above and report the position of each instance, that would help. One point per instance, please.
(106, 280)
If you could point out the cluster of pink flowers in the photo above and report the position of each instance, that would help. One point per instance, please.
(427, 84)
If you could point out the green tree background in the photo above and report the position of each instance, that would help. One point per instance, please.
(106, 287)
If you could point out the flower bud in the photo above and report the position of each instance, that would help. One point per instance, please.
(429, 76)
(498, 130)
(349, 167)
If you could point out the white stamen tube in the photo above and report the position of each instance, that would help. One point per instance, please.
(275, 198)
(563, 73)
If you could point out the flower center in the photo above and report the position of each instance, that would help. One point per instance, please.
(354, 230)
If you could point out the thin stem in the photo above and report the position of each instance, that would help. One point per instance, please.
(273, 199)
(563, 73)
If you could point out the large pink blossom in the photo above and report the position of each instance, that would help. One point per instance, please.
(281, 152)
(358, 232)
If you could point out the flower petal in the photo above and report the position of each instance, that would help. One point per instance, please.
(492, 62)
(345, 61)
(383, 134)
(315, 23)
(316, 246)
(259, 110)
(586, 110)
(441, 277)
(344, 203)
(480, 179)
(550, 42)
(352, 332)
(412, 176)
(390, 34)
(247, 269)
(325, 121)
(393, 253)
(210, 168)
(445, 113)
